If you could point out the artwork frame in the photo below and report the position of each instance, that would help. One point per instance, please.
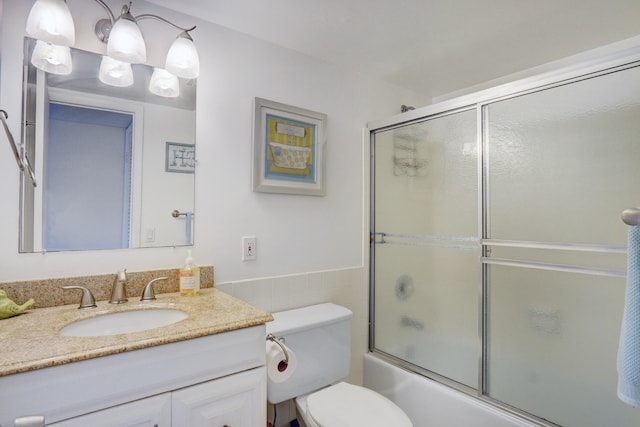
(288, 149)
(179, 157)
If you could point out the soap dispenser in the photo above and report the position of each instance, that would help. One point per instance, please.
(189, 277)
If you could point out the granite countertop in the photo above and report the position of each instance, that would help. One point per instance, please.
(32, 341)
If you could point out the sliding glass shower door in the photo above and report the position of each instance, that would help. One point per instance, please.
(498, 254)
(561, 165)
(426, 244)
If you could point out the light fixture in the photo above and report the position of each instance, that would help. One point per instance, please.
(125, 42)
(51, 21)
(182, 59)
(164, 84)
(52, 58)
(115, 73)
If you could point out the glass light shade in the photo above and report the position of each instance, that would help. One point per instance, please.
(126, 42)
(115, 73)
(52, 58)
(51, 21)
(165, 84)
(182, 59)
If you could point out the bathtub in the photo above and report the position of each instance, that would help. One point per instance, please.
(431, 404)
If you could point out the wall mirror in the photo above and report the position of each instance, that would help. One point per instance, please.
(115, 166)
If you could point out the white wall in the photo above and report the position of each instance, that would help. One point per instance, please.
(163, 191)
(309, 249)
(295, 234)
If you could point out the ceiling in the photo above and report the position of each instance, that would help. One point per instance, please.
(430, 46)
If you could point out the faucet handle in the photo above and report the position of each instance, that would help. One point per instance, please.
(87, 301)
(121, 275)
(148, 294)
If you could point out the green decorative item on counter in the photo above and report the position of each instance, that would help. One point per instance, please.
(9, 308)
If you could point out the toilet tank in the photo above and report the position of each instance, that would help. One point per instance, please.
(320, 337)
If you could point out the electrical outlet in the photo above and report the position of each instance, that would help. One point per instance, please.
(248, 248)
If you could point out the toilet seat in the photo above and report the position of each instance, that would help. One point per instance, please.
(347, 405)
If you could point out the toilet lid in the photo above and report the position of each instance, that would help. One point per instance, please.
(347, 405)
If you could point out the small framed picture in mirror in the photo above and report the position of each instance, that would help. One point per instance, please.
(180, 158)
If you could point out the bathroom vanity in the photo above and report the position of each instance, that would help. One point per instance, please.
(207, 367)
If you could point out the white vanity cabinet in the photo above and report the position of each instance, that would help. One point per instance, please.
(233, 401)
(216, 380)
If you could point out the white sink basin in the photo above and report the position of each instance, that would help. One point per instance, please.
(123, 322)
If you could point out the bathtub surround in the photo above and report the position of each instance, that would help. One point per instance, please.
(429, 403)
(49, 292)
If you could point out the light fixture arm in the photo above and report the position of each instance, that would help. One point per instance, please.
(103, 26)
(160, 18)
(112, 17)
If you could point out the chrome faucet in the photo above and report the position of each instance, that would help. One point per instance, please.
(119, 291)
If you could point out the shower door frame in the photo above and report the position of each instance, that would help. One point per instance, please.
(618, 58)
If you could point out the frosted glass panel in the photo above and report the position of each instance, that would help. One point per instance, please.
(426, 179)
(563, 163)
(553, 339)
(427, 308)
(427, 263)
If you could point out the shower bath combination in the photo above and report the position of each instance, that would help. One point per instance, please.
(482, 276)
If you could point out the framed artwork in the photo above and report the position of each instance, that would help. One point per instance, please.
(180, 158)
(288, 149)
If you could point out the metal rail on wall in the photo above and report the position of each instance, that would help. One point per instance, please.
(22, 163)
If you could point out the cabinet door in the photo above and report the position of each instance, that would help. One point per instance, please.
(235, 401)
(150, 412)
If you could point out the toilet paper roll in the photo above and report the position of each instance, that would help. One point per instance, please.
(277, 370)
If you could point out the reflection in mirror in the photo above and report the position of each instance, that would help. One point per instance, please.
(114, 162)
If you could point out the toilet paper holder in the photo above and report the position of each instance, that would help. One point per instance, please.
(271, 337)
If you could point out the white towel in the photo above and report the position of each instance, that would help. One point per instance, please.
(629, 349)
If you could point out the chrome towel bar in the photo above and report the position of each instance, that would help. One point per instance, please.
(631, 216)
(176, 213)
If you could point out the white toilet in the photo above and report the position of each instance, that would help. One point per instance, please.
(320, 338)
